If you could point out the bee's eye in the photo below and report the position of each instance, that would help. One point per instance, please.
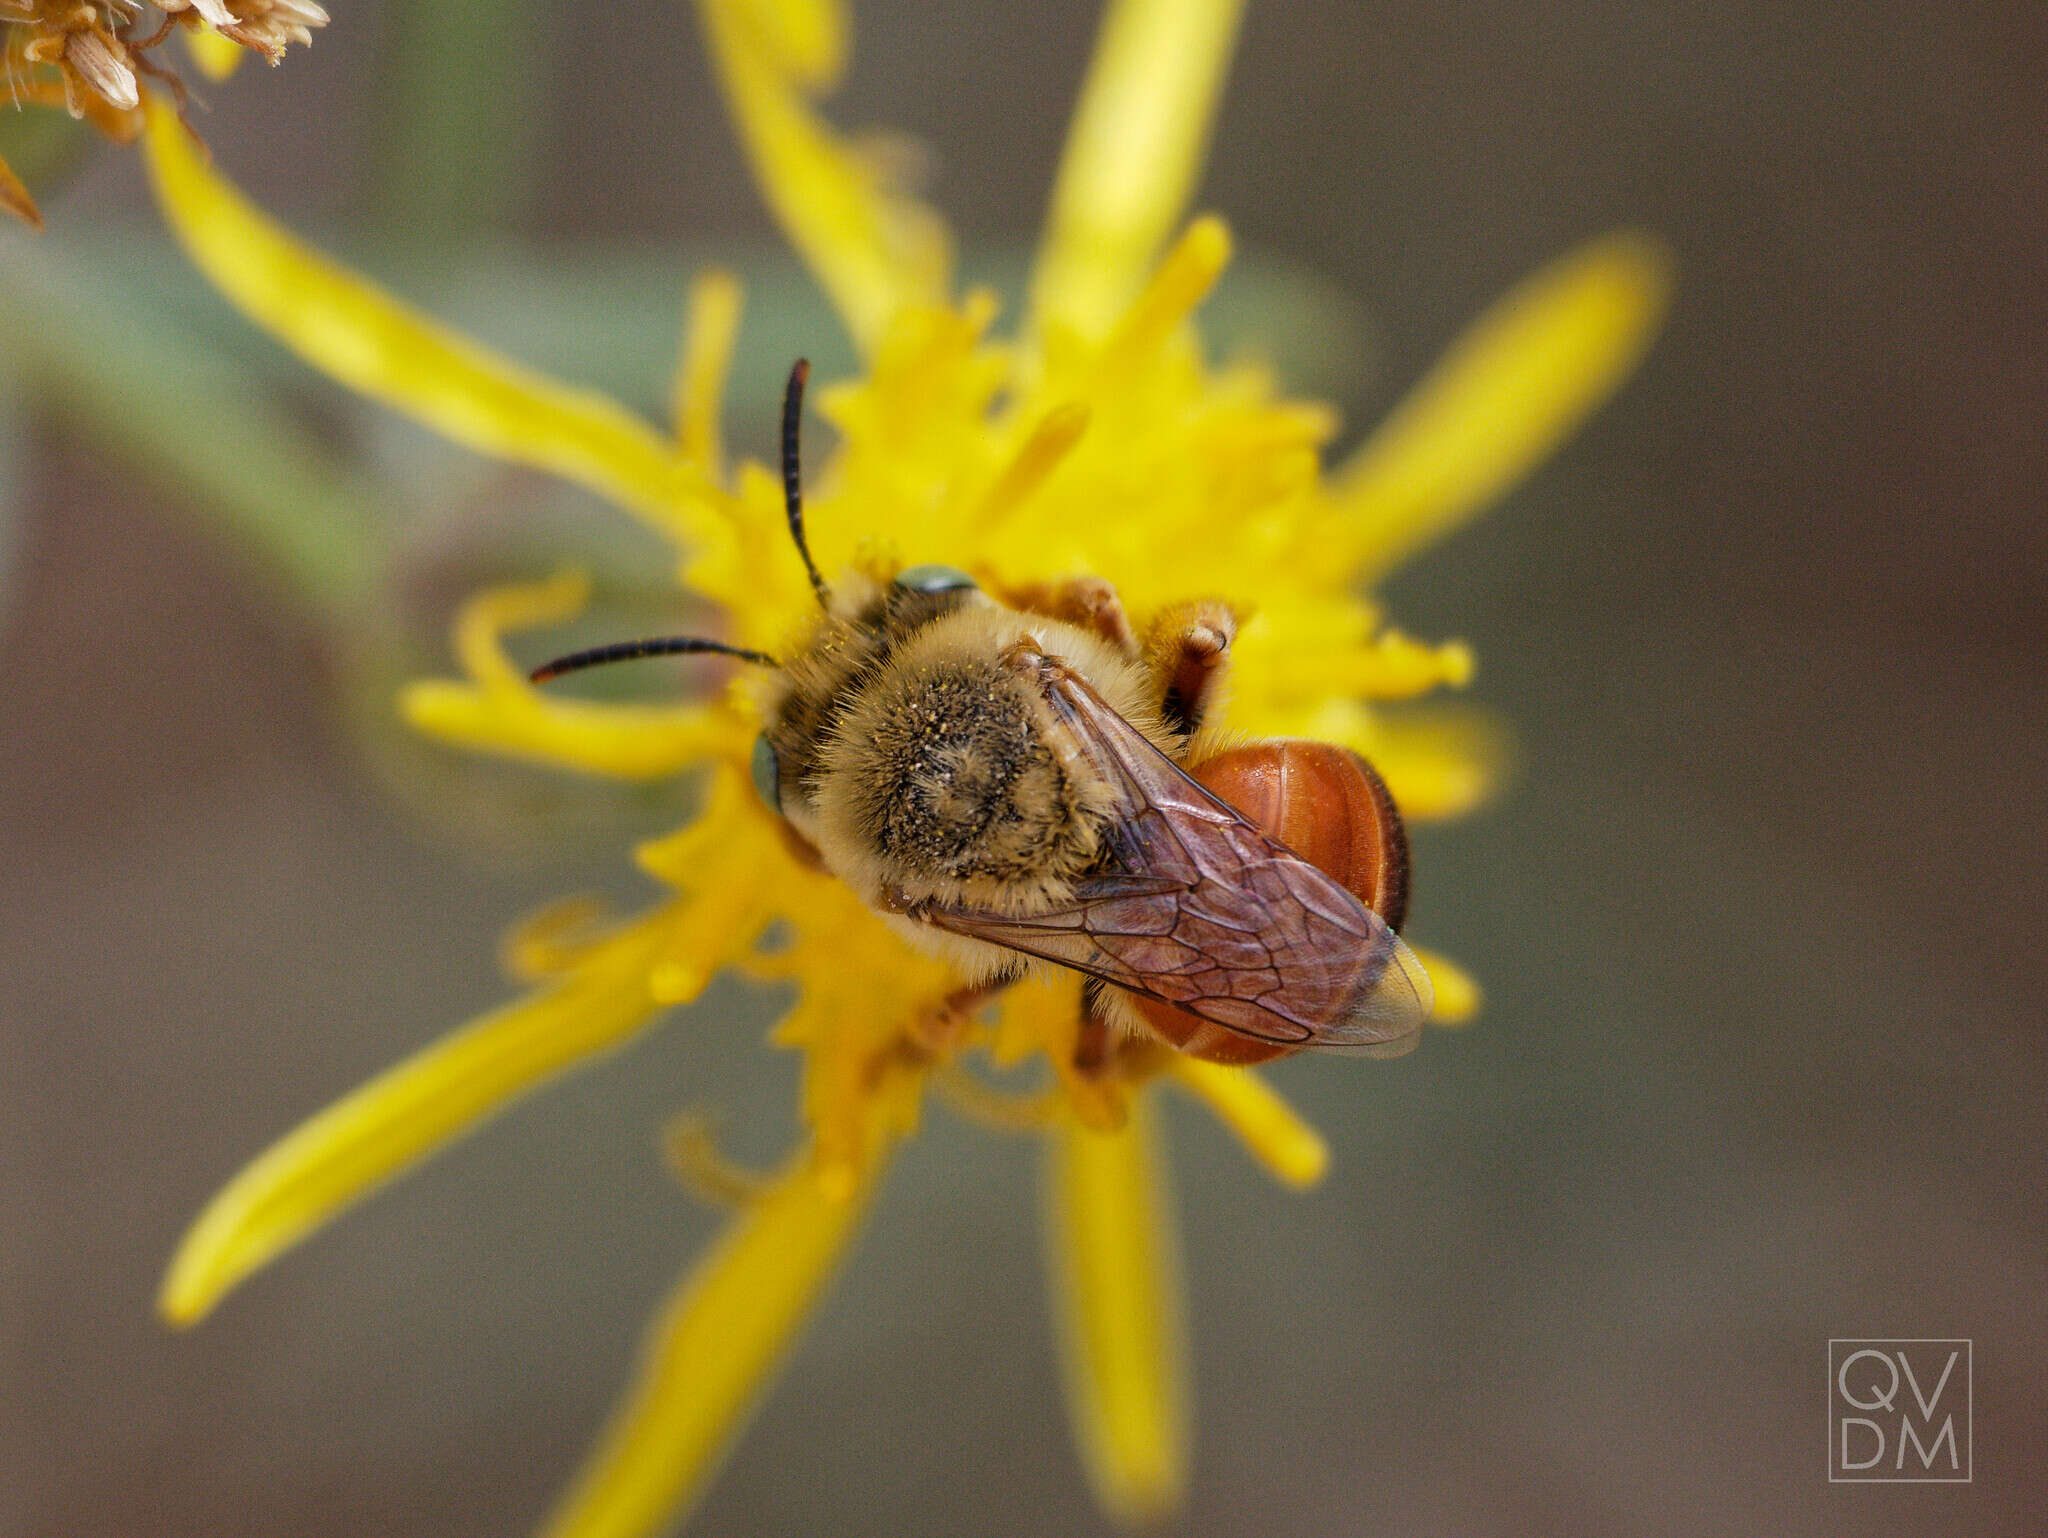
(767, 772)
(934, 579)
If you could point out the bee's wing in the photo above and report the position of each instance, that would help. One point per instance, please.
(1206, 912)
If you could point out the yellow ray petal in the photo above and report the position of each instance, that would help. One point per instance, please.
(1116, 1273)
(712, 1350)
(1292, 1151)
(872, 247)
(410, 1110)
(1440, 761)
(1518, 381)
(626, 742)
(216, 57)
(1287, 662)
(498, 711)
(1133, 155)
(1458, 994)
(698, 389)
(353, 331)
(14, 198)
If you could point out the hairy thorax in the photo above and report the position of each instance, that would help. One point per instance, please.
(927, 769)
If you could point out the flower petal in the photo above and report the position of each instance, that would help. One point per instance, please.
(411, 1110)
(216, 57)
(1440, 761)
(1133, 155)
(1518, 381)
(698, 390)
(1116, 1272)
(1292, 1151)
(873, 247)
(1458, 994)
(358, 334)
(714, 1347)
(14, 198)
(498, 711)
(858, 988)
(626, 742)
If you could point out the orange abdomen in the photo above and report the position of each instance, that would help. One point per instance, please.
(1330, 807)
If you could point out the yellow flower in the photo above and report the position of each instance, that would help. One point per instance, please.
(1091, 436)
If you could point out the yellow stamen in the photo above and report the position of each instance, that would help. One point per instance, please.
(1133, 155)
(1292, 1151)
(1116, 1274)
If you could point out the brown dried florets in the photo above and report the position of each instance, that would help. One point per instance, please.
(90, 56)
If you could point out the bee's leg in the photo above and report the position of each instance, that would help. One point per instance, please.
(938, 1027)
(1187, 652)
(1088, 602)
(1102, 1042)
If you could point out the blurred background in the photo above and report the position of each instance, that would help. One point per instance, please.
(1762, 1061)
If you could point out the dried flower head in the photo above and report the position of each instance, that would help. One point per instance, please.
(90, 57)
(1093, 437)
(261, 26)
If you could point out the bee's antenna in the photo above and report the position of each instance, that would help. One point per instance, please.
(792, 473)
(626, 651)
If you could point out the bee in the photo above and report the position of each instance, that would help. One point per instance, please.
(1022, 779)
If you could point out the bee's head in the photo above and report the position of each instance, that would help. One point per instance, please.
(935, 579)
